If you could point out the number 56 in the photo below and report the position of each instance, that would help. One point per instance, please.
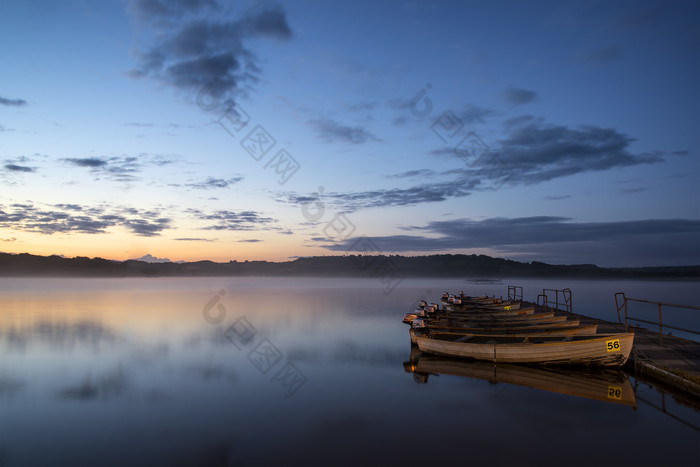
(613, 345)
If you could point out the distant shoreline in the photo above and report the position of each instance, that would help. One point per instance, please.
(478, 267)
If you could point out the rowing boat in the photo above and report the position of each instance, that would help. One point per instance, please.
(423, 312)
(601, 349)
(561, 331)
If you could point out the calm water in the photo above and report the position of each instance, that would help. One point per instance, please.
(296, 371)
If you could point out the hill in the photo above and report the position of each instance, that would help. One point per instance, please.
(21, 265)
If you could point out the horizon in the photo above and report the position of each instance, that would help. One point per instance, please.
(154, 260)
(557, 132)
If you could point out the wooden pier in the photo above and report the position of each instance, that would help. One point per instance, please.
(669, 362)
(673, 365)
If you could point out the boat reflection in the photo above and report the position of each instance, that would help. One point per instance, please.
(602, 384)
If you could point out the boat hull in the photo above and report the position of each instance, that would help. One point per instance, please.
(578, 350)
(572, 330)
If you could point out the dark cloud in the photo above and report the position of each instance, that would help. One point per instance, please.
(537, 152)
(119, 168)
(231, 220)
(212, 183)
(539, 235)
(192, 239)
(87, 162)
(197, 47)
(19, 168)
(557, 197)
(354, 201)
(250, 240)
(602, 55)
(414, 174)
(532, 152)
(69, 207)
(147, 227)
(70, 218)
(12, 102)
(332, 132)
(519, 96)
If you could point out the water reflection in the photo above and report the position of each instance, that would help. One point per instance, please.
(57, 335)
(94, 361)
(592, 383)
(96, 388)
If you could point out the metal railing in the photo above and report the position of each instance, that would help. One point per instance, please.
(660, 324)
(566, 299)
(515, 292)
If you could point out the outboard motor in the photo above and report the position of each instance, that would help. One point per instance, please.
(419, 323)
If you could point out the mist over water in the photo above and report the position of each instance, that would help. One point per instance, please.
(246, 371)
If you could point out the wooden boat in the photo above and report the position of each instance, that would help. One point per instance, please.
(543, 316)
(601, 349)
(420, 313)
(602, 384)
(554, 321)
(572, 330)
(481, 312)
(468, 306)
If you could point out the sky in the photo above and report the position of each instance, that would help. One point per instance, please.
(558, 131)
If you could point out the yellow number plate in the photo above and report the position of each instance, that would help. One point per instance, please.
(613, 346)
(615, 392)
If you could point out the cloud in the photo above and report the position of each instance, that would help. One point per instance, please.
(410, 196)
(602, 55)
(235, 221)
(212, 183)
(413, 174)
(250, 240)
(536, 152)
(12, 102)
(519, 96)
(532, 152)
(197, 46)
(331, 132)
(119, 168)
(192, 239)
(19, 168)
(66, 219)
(87, 162)
(139, 125)
(539, 235)
(557, 197)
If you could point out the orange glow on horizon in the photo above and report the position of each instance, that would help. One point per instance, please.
(121, 246)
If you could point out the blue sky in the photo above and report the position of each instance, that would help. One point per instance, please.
(564, 132)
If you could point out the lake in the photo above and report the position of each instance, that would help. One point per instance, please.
(301, 371)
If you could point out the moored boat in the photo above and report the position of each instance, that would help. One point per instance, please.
(561, 331)
(601, 349)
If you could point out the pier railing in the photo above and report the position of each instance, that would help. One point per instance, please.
(621, 302)
(515, 292)
(565, 294)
